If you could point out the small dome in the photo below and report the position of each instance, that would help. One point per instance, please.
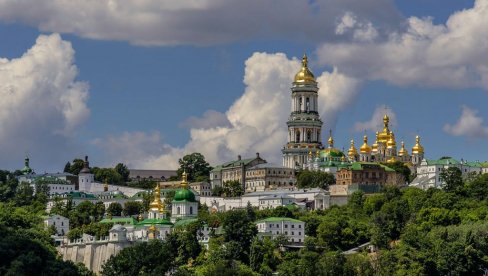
(184, 194)
(417, 148)
(365, 147)
(352, 150)
(305, 75)
(403, 151)
(391, 142)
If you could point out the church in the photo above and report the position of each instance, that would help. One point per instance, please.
(304, 149)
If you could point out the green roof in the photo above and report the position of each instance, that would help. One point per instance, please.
(81, 195)
(128, 220)
(331, 152)
(139, 194)
(278, 219)
(443, 162)
(234, 163)
(185, 222)
(154, 222)
(184, 195)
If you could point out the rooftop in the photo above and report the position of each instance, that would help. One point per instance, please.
(278, 219)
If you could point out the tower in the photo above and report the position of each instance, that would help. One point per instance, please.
(184, 205)
(304, 124)
(85, 177)
(417, 152)
(365, 151)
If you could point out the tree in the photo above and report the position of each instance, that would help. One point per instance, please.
(114, 209)
(217, 191)
(132, 208)
(237, 227)
(195, 166)
(315, 179)
(453, 179)
(123, 171)
(99, 210)
(147, 258)
(75, 166)
(107, 175)
(232, 188)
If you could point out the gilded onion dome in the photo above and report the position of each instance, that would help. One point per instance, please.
(156, 204)
(403, 151)
(384, 136)
(417, 148)
(352, 150)
(391, 142)
(374, 147)
(330, 141)
(365, 147)
(305, 75)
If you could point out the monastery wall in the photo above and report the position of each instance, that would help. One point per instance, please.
(92, 254)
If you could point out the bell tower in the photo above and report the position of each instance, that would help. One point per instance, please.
(304, 124)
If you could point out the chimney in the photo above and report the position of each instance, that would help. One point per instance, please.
(257, 154)
(238, 158)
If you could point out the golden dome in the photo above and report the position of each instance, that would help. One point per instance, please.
(184, 180)
(304, 75)
(156, 203)
(365, 147)
(330, 141)
(417, 148)
(152, 228)
(352, 150)
(384, 136)
(374, 147)
(403, 151)
(391, 142)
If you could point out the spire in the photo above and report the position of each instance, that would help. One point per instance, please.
(27, 169)
(156, 204)
(184, 181)
(352, 152)
(403, 151)
(304, 75)
(365, 147)
(374, 147)
(86, 166)
(417, 148)
(331, 140)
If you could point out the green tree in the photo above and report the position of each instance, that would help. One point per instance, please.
(195, 166)
(123, 171)
(401, 168)
(217, 191)
(315, 179)
(132, 208)
(238, 227)
(232, 188)
(114, 209)
(99, 210)
(147, 258)
(67, 167)
(453, 179)
(76, 166)
(107, 175)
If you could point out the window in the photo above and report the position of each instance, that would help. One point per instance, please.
(293, 226)
(286, 232)
(191, 210)
(299, 226)
(292, 233)
(286, 225)
(299, 233)
(178, 210)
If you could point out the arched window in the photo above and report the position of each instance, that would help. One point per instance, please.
(309, 136)
(178, 210)
(297, 138)
(307, 104)
(191, 210)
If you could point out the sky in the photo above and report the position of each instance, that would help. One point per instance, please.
(146, 82)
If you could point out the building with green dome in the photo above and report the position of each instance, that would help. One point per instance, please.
(184, 204)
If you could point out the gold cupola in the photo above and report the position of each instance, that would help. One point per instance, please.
(391, 141)
(156, 204)
(305, 75)
(384, 136)
(330, 141)
(403, 152)
(374, 147)
(365, 147)
(352, 152)
(417, 148)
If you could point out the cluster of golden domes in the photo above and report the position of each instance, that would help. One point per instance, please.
(387, 138)
(305, 75)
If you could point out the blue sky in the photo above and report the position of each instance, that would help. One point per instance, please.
(145, 87)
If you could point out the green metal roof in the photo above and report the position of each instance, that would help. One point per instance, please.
(443, 162)
(278, 219)
(154, 222)
(127, 220)
(234, 163)
(184, 195)
(81, 195)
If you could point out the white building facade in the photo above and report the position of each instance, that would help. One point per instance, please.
(273, 227)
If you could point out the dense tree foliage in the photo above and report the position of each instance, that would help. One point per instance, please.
(232, 188)
(315, 179)
(195, 166)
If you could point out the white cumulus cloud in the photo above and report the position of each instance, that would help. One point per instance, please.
(41, 103)
(257, 120)
(454, 54)
(376, 121)
(469, 125)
